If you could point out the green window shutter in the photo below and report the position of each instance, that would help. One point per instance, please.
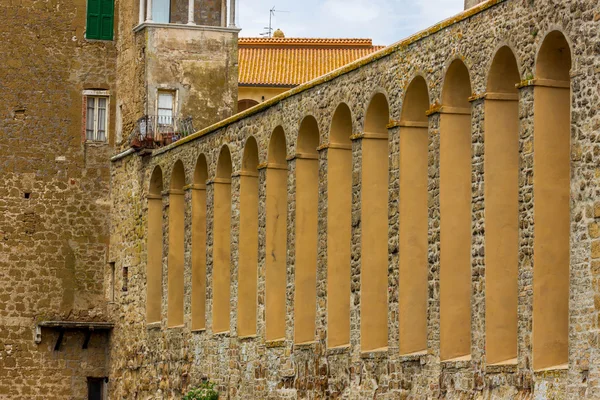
(93, 19)
(100, 16)
(107, 17)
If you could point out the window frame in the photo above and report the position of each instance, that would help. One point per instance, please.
(96, 94)
(100, 16)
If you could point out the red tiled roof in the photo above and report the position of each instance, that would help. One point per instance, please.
(293, 61)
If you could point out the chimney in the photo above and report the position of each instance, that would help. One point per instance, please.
(472, 3)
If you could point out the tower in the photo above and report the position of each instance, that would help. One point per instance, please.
(179, 66)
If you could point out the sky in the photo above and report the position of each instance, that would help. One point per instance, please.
(384, 21)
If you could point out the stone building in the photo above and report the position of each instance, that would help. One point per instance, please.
(420, 223)
(77, 77)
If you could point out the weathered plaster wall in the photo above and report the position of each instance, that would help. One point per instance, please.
(54, 244)
(161, 362)
(472, 3)
(200, 63)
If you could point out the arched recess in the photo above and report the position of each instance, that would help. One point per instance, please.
(374, 220)
(199, 244)
(501, 168)
(222, 243)
(245, 104)
(413, 291)
(248, 245)
(551, 170)
(307, 198)
(455, 214)
(339, 227)
(176, 246)
(276, 236)
(155, 248)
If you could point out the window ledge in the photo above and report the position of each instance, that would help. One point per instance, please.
(458, 362)
(343, 349)
(199, 330)
(508, 366)
(248, 337)
(305, 345)
(174, 327)
(153, 325)
(275, 343)
(416, 356)
(143, 25)
(99, 40)
(223, 333)
(375, 353)
(555, 368)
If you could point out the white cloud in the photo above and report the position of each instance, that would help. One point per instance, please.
(385, 21)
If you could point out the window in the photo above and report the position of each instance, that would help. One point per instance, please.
(96, 388)
(100, 16)
(96, 118)
(161, 11)
(166, 102)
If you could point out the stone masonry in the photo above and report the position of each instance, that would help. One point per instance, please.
(160, 362)
(54, 233)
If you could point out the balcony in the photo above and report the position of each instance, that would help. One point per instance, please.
(183, 13)
(154, 131)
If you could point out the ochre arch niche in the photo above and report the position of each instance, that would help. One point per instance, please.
(199, 244)
(248, 244)
(222, 243)
(154, 248)
(413, 218)
(307, 198)
(339, 227)
(501, 208)
(455, 214)
(176, 246)
(551, 171)
(276, 236)
(374, 220)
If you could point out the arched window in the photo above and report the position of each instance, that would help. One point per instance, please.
(222, 243)
(374, 223)
(455, 214)
(155, 248)
(501, 208)
(248, 245)
(276, 236)
(307, 199)
(551, 192)
(199, 244)
(339, 227)
(176, 246)
(413, 290)
(246, 104)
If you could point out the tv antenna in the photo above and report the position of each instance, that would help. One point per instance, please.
(269, 29)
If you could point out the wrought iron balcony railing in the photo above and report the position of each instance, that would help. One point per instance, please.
(153, 131)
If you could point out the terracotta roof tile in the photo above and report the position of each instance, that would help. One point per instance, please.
(293, 61)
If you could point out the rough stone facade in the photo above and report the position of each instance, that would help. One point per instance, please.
(157, 362)
(55, 202)
(54, 233)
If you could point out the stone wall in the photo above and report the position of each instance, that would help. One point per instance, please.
(153, 361)
(54, 207)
